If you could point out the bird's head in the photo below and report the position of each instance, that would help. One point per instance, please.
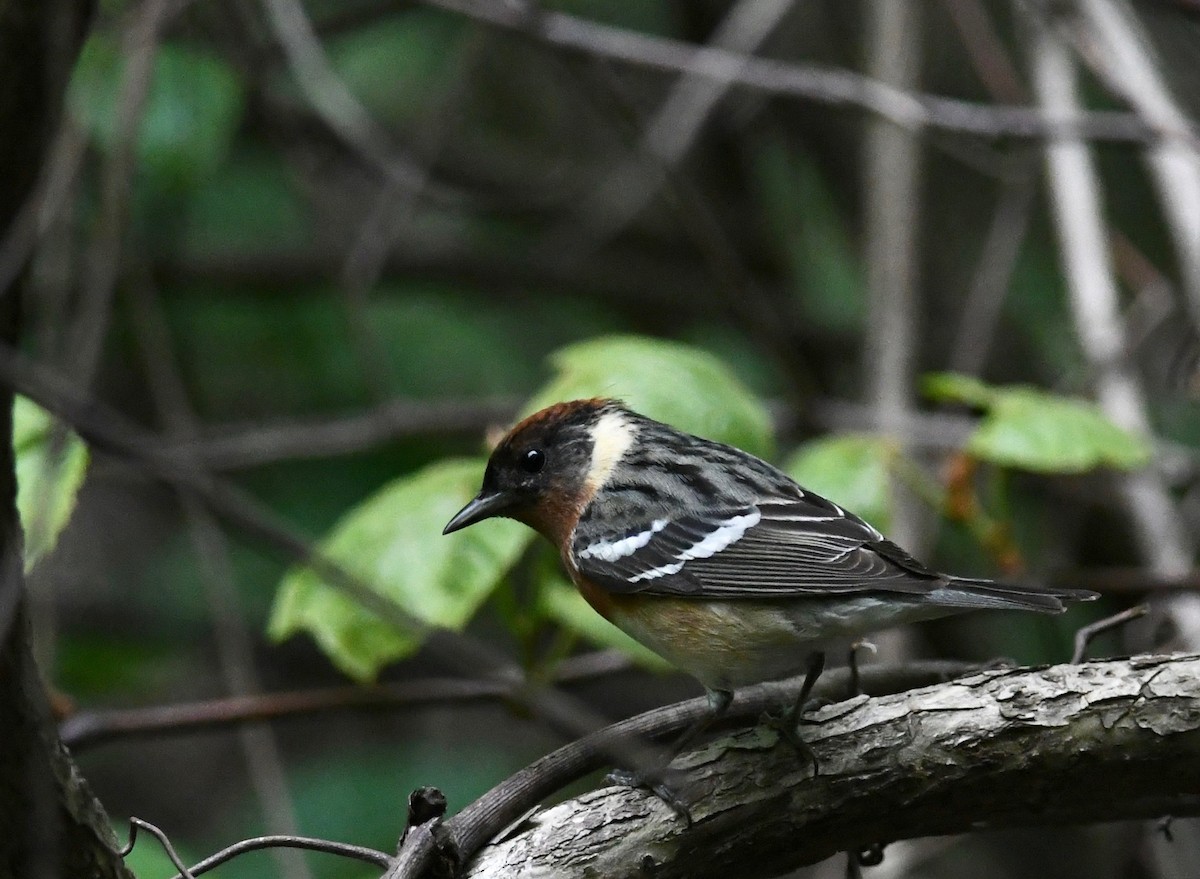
(546, 469)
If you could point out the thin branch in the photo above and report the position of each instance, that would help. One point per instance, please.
(332, 99)
(985, 299)
(228, 447)
(136, 824)
(1088, 633)
(1078, 215)
(1115, 45)
(231, 633)
(986, 51)
(140, 48)
(667, 138)
(892, 187)
(44, 203)
(231, 448)
(832, 86)
(1126, 580)
(341, 849)
(90, 728)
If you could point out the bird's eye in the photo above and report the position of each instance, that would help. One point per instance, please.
(533, 461)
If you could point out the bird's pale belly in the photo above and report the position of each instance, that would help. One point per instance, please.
(727, 644)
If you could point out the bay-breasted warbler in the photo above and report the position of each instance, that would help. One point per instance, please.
(711, 557)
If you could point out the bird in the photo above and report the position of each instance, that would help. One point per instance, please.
(714, 559)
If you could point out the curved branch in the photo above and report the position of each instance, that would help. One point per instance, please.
(1006, 747)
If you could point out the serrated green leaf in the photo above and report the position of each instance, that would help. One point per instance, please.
(561, 602)
(852, 470)
(191, 112)
(393, 541)
(51, 465)
(954, 387)
(1032, 430)
(683, 386)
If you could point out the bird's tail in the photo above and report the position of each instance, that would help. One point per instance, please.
(966, 592)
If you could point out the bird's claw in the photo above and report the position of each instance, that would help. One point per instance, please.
(786, 724)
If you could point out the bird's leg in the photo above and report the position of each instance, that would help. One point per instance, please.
(718, 703)
(654, 779)
(787, 722)
(852, 664)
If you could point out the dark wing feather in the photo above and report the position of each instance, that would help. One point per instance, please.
(775, 548)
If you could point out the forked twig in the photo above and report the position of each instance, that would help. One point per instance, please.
(1085, 635)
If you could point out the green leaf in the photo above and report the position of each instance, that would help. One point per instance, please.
(393, 541)
(51, 465)
(561, 602)
(852, 470)
(1031, 429)
(953, 387)
(683, 386)
(190, 116)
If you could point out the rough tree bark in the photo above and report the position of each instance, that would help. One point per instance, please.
(50, 824)
(1008, 747)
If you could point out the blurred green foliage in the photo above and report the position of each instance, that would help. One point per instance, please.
(809, 229)
(1030, 429)
(51, 465)
(191, 113)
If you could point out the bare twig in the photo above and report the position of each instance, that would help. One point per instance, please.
(668, 136)
(1076, 204)
(136, 824)
(341, 849)
(231, 448)
(1085, 635)
(986, 51)
(891, 182)
(90, 728)
(44, 203)
(985, 299)
(235, 648)
(139, 48)
(1125, 580)
(1115, 45)
(332, 99)
(827, 85)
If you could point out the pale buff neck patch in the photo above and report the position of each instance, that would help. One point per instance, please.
(612, 436)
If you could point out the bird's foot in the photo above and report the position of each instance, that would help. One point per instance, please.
(787, 724)
(656, 781)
